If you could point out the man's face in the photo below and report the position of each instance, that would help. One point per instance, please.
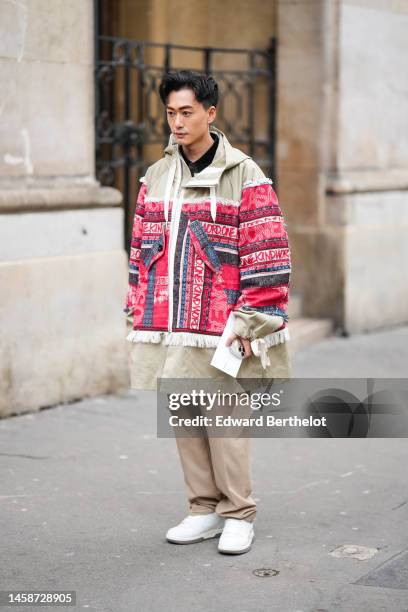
(187, 118)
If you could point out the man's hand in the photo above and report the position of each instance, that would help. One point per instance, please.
(245, 343)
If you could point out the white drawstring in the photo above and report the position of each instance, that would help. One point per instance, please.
(260, 349)
(213, 203)
(169, 184)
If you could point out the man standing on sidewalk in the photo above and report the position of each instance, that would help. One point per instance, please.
(208, 239)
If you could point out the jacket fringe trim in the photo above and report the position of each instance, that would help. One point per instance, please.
(198, 340)
(141, 335)
(174, 338)
(277, 337)
(191, 339)
(255, 183)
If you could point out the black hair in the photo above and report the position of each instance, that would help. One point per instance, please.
(203, 85)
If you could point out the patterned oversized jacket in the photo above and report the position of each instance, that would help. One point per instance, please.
(214, 242)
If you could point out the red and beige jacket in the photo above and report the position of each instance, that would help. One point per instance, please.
(205, 245)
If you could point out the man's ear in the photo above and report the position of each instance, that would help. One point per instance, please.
(212, 113)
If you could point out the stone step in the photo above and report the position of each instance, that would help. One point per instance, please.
(306, 331)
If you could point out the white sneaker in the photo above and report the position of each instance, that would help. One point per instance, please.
(195, 528)
(236, 537)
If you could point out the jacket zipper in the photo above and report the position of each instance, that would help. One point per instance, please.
(175, 218)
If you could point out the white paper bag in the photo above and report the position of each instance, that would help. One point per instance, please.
(223, 359)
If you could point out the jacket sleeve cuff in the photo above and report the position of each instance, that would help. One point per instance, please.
(254, 325)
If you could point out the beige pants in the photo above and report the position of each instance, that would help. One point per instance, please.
(217, 472)
(217, 468)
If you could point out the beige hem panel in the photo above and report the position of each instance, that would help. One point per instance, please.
(149, 361)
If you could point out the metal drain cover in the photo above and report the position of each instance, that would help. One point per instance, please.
(264, 572)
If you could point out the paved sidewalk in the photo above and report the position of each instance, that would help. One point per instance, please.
(87, 493)
(382, 354)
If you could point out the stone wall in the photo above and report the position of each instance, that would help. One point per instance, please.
(343, 156)
(63, 269)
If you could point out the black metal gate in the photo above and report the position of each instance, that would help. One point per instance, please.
(130, 123)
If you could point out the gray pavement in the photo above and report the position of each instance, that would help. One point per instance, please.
(87, 492)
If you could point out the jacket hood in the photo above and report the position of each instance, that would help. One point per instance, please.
(225, 157)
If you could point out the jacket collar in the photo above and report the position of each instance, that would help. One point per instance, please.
(225, 157)
(205, 160)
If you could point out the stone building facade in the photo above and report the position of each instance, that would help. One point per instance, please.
(342, 173)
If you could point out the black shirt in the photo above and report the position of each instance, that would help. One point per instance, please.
(205, 160)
